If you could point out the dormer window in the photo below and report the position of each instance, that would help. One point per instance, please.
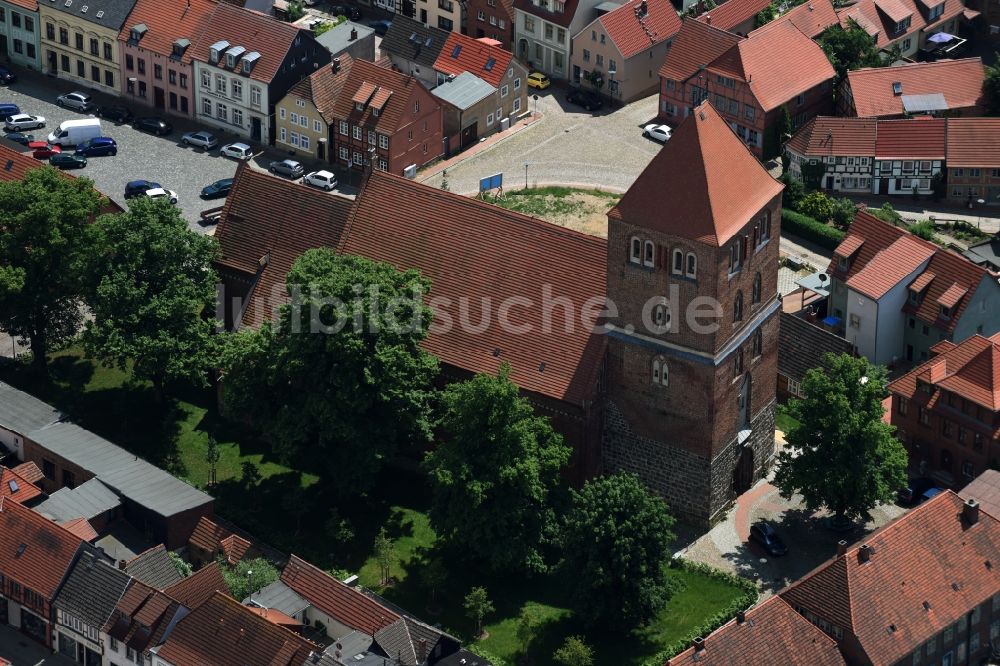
(249, 60)
(360, 106)
(913, 297)
(635, 251)
(230, 60)
(178, 48)
(903, 25)
(216, 50)
(843, 263)
(375, 112)
(945, 312)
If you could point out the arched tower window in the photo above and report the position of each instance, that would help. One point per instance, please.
(738, 362)
(756, 289)
(635, 250)
(692, 265)
(648, 256)
(661, 373)
(678, 268)
(738, 307)
(758, 342)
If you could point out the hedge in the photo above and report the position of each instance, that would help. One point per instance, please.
(743, 602)
(797, 224)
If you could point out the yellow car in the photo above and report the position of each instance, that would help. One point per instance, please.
(538, 80)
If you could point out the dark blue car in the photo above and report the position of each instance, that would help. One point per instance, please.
(97, 147)
(136, 188)
(218, 189)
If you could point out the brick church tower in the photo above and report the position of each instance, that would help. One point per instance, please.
(692, 349)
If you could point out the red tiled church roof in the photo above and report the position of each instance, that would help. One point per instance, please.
(34, 551)
(927, 570)
(771, 633)
(721, 186)
(634, 32)
(344, 604)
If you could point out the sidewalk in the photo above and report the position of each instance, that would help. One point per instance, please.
(985, 217)
(482, 145)
(805, 252)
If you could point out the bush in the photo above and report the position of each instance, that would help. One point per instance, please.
(887, 214)
(923, 229)
(793, 193)
(817, 206)
(805, 227)
(843, 213)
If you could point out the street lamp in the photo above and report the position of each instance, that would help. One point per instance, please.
(611, 86)
(979, 221)
(526, 175)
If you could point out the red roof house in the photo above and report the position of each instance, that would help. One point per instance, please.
(811, 18)
(956, 87)
(737, 16)
(462, 53)
(16, 487)
(142, 619)
(696, 45)
(197, 588)
(906, 23)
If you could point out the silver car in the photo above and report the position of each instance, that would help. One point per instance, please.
(287, 168)
(321, 179)
(239, 151)
(76, 100)
(200, 140)
(22, 121)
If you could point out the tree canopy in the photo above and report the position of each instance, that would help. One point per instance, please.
(852, 48)
(249, 576)
(151, 289)
(616, 543)
(43, 221)
(495, 474)
(991, 88)
(340, 380)
(842, 455)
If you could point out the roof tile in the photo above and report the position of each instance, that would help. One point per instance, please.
(16, 487)
(891, 265)
(811, 18)
(696, 46)
(633, 33)
(732, 13)
(825, 135)
(924, 138)
(362, 81)
(34, 551)
(462, 53)
(960, 81)
(168, 22)
(973, 142)
(197, 588)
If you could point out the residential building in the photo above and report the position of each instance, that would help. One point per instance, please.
(946, 411)
(768, 633)
(213, 538)
(80, 41)
(906, 23)
(154, 567)
(683, 79)
(916, 591)
(466, 100)
(493, 19)
(244, 63)
(621, 50)
(410, 641)
(19, 33)
(544, 29)
(973, 161)
(18, 488)
(985, 489)
(950, 87)
(736, 16)
(142, 619)
(897, 295)
(385, 120)
(155, 44)
(305, 117)
(448, 15)
(719, 240)
(82, 608)
(801, 347)
(412, 48)
(349, 39)
(909, 154)
(750, 92)
(21, 413)
(811, 18)
(91, 500)
(836, 154)
(199, 587)
(495, 67)
(36, 556)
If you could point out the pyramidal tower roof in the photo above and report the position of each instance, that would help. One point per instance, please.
(704, 184)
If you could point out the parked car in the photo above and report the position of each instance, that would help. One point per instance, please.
(930, 493)
(78, 101)
(23, 121)
(9, 109)
(7, 77)
(321, 179)
(218, 189)
(238, 151)
(657, 132)
(590, 101)
(42, 150)
(97, 147)
(158, 193)
(765, 535)
(137, 188)
(116, 114)
(287, 168)
(156, 126)
(68, 161)
(18, 137)
(203, 140)
(538, 80)
(917, 487)
(352, 13)
(380, 27)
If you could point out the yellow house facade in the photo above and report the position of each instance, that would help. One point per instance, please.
(303, 117)
(79, 41)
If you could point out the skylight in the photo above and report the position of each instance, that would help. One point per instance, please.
(13, 486)
(489, 64)
(456, 51)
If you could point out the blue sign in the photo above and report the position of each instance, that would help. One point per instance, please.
(491, 182)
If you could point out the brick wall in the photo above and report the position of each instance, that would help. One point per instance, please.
(58, 467)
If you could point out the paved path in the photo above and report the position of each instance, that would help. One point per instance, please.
(22, 651)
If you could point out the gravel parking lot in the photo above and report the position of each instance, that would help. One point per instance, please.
(140, 156)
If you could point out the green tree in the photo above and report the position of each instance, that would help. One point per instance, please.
(249, 474)
(340, 381)
(887, 213)
(923, 229)
(478, 605)
(616, 543)
(991, 88)
(817, 206)
(574, 652)
(296, 10)
(43, 221)
(249, 577)
(212, 455)
(495, 475)
(183, 568)
(766, 15)
(151, 288)
(841, 454)
(842, 212)
(850, 48)
(385, 555)
(793, 193)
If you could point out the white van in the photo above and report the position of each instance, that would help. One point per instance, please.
(72, 132)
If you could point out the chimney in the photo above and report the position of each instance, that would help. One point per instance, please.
(336, 65)
(864, 553)
(643, 8)
(422, 650)
(123, 563)
(699, 644)
(841, 547)
(708, 19)
(354, 34)
(970, 511)
(741, 616)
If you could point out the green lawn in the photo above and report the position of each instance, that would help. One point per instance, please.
(783, 421)
(289, 509)
(545, 202)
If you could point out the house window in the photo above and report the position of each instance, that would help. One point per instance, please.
(755, 292)
(64, 36)
(108, 52)
(945, 312)
(489, 120)
(586, 57)
(794, 387)
(142, 66)
(738, 364)
(517, 83)
(281, 113)
(254, 96)
(356, 132)
(371, 138)
(383, 165)
(81, 69)
(738, 307)
(692, 265)
(109, 78)
(854, 321)
(345, 154)
(635, 252)
(157, 71)
(925, 416)
(647, 255)
(317, 126)
(238, 117)
(236, 89)
(383, 141)
(64, 63)
(946, 429)
(304, 121)
(294, 139)
(282, 135)
(902, 405)
(504, 90)
(172, 77)
(358, 159)
(294, 117)
(735, 257)
(206, 80)
(678, 265)
(516, 106)
(221, 112)
(50, 32)
(220, 83)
